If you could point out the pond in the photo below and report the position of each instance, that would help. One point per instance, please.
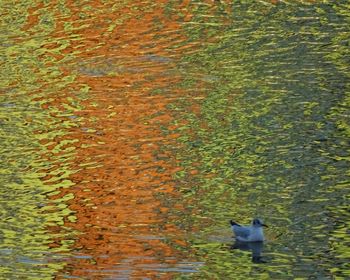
(132, 132)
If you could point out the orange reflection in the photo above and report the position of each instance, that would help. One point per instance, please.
(122, 167)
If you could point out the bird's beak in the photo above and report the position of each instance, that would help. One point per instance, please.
(265, 225)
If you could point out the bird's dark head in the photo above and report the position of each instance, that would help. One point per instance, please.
(258, 223)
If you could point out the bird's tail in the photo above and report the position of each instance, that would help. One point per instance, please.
(233, 223)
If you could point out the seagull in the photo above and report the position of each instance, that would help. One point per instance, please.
(251, 233)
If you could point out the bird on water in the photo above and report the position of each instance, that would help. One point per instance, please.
(252, 233)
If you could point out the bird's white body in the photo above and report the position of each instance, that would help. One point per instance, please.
(248, 233)
(253, 233)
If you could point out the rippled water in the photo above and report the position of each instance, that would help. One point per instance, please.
(133, 131)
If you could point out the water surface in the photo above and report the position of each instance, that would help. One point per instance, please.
(132, 132)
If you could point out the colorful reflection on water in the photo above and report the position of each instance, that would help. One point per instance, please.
(132, 132)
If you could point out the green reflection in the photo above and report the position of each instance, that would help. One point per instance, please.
(271, 137)
(34, 164)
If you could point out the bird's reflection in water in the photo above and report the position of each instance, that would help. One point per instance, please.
(255, 247)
